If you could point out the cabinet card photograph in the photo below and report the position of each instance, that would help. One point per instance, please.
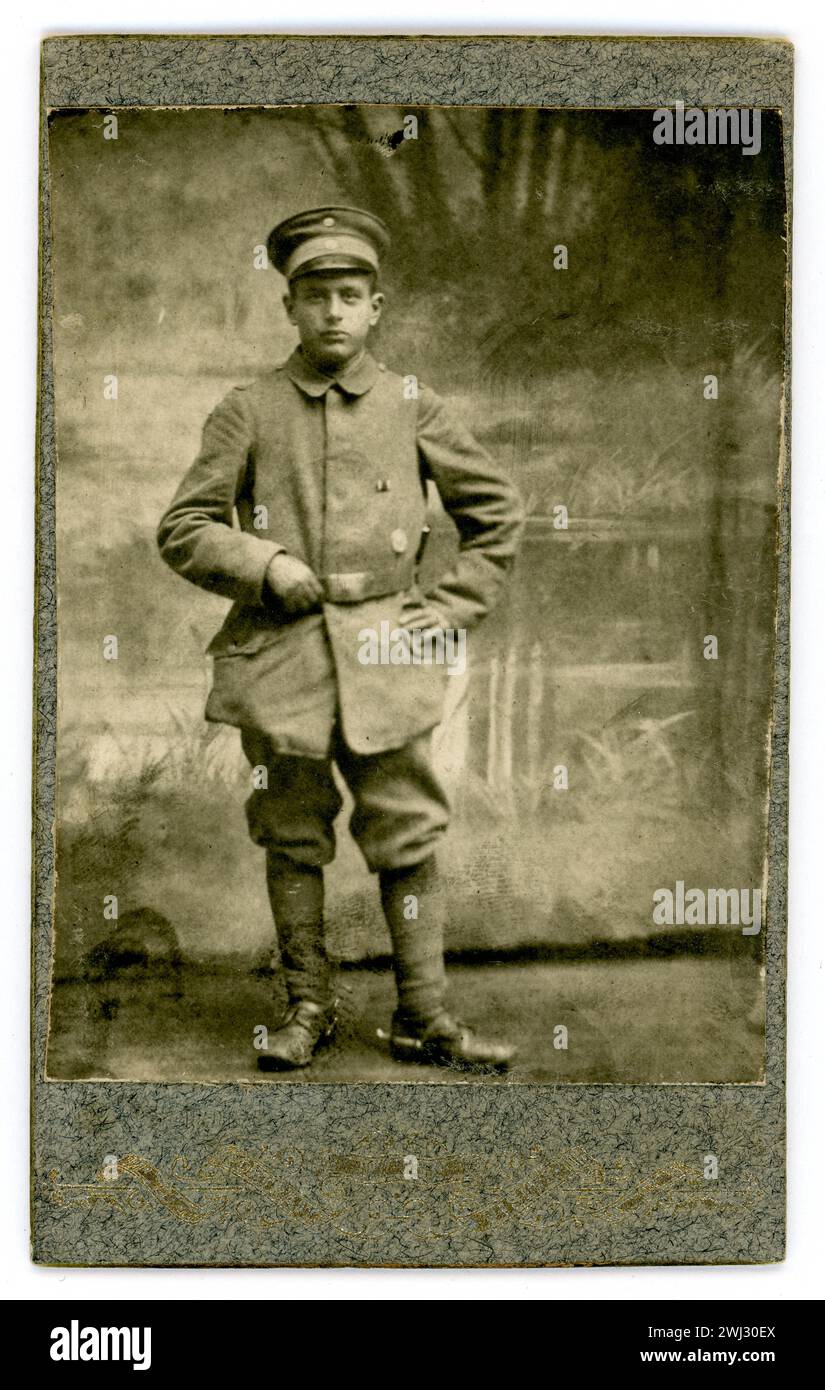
(412, 650)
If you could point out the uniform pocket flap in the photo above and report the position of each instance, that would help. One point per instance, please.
(245, 634)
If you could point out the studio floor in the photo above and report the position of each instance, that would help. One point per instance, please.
(680, 1019)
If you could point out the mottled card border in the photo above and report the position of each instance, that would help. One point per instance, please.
(307, 1175)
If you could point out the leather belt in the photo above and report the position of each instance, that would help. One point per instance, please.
(360, 585)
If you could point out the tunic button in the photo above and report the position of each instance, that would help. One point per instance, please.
(398, 541)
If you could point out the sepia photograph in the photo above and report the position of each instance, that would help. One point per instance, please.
(411, 652)
(417, 505)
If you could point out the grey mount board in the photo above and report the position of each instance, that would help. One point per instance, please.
(314, 1175)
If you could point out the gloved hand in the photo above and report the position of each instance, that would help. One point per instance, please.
(293, 583)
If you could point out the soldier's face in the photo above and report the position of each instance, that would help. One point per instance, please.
(333, 315)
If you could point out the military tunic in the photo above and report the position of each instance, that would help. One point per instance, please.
(333, 470)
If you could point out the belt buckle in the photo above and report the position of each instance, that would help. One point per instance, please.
(347, 588)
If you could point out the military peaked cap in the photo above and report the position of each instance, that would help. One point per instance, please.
(325, 239)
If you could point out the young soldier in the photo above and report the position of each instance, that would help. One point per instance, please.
(326, 461)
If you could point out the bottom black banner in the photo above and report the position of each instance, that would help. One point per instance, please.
(193, 1337)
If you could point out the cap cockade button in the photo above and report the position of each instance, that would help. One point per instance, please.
(328, 222)
(398, 541)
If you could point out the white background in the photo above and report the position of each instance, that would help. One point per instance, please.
(23, 26)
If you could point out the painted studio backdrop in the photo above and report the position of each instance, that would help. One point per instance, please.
(607, 314)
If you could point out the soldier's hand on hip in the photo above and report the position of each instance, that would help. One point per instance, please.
(293, 583)
(423, 615)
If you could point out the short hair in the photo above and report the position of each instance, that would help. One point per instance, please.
(367, 272)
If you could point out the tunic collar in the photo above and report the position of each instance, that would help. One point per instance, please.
(356, 379)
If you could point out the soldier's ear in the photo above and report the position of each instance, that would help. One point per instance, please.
(287, 303)
(377, 300)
